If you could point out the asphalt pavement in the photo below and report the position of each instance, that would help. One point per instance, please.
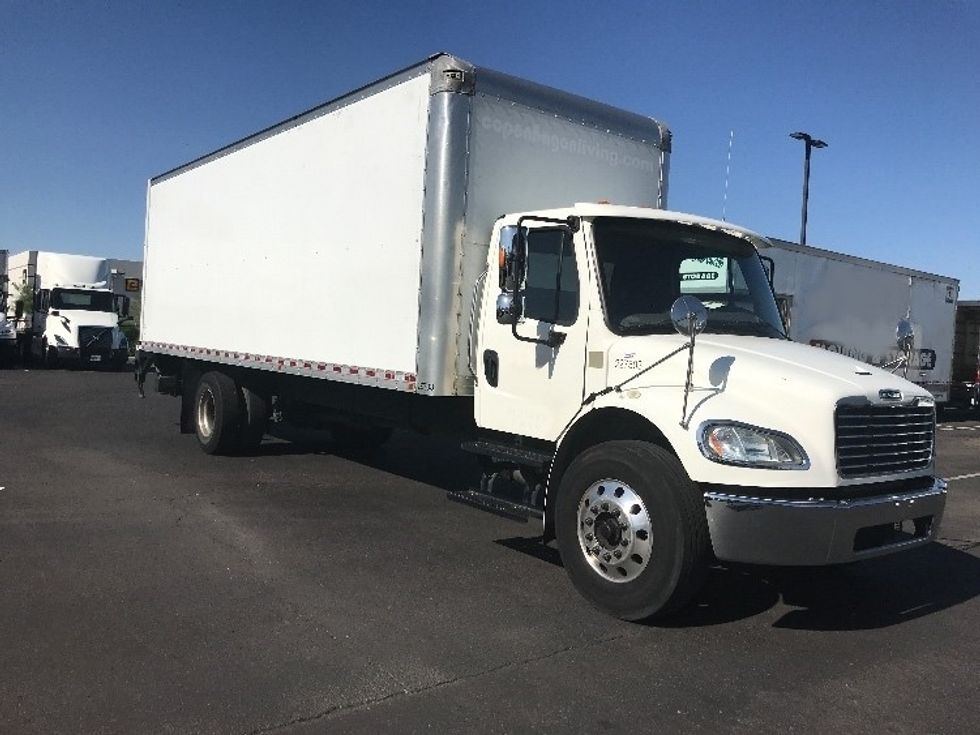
(147, 587)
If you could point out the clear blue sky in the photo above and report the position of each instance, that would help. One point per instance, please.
(96, 97)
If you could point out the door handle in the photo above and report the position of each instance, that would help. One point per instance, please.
(491, 367)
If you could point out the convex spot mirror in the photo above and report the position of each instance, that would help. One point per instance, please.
(688, 316)
(905, 335)
(505, 307)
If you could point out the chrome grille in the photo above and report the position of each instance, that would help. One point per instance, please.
(95, 339)
(875, 440)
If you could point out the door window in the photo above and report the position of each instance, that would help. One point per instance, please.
(551, 291)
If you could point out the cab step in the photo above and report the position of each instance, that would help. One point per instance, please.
(496, 505)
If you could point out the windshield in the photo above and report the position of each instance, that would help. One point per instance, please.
(81, 299)
(646, 264)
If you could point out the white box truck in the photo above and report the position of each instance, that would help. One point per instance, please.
(439, 262)
(65, 310)
(850, 305)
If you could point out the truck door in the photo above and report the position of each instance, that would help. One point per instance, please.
(527, 388)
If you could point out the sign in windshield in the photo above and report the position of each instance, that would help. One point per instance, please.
(647, 264)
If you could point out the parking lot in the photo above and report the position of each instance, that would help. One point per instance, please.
(147, 587)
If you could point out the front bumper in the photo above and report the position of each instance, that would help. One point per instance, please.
(73, 354)
(760, 530)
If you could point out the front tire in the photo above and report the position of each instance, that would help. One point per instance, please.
(49, 356)
(217, 414)
(631, 529)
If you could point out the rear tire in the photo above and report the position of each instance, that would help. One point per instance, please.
(217, 414)
(633, 499)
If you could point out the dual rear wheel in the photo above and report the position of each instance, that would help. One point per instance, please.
(228, 418)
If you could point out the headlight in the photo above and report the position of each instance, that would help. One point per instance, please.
(750, 446)
(60, 340)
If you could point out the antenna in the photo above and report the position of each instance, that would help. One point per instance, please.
(728, 171)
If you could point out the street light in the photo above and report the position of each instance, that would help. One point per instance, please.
(810, 142)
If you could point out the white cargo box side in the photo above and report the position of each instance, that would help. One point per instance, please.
(346, 242)
(302, 246)
(852, 305)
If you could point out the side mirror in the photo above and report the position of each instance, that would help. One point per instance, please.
(688, 316)
(122, 306)
(510, 262)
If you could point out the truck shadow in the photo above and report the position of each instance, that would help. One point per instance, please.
(431, 460)
(877, 593)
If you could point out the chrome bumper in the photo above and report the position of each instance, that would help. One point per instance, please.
(816, 532)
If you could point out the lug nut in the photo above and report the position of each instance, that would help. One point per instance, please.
(588, 551)
(618, 554)
(624, 543)
(606, 557)
(617, 512)
(588, 521)
(623, 527)
(605, 506)
(594, 509)
(596, 549)
(588, 537)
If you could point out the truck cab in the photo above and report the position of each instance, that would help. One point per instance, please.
(79, 323)
(646, 347)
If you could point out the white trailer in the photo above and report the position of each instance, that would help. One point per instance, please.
(65, 310)
(850, 305)
(431, 269)
(965, 390)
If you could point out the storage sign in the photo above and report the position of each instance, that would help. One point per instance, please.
(133, 285)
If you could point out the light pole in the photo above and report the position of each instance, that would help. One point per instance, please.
(810, 142)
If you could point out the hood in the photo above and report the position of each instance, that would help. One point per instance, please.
(774, 384)
(68, 321)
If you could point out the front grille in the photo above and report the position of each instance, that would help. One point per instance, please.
(874, 440)
(95, 340)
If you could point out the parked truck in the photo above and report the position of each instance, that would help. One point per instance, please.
(965, 390)
(64, 309)
(8, 333)
(847, 304)
(443, 258)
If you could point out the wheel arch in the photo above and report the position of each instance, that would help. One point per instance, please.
(596, 427)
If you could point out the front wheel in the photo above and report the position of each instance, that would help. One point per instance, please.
(49, 356)
(632, 531)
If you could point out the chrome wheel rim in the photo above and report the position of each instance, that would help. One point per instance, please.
(614, 530)
(205, 413)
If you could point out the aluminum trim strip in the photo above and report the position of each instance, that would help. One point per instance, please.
(357, 374)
